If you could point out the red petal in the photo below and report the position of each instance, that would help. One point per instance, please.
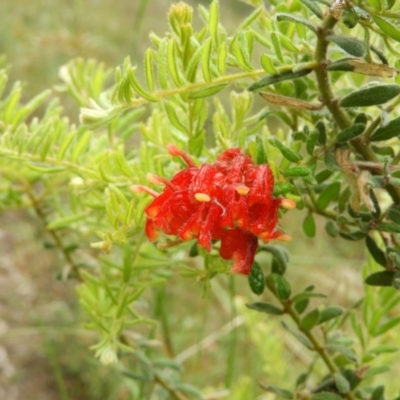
(210, 227)
(261, 182)
(240, 246)
(150, 230)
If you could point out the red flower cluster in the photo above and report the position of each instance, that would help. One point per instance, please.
(230, 200)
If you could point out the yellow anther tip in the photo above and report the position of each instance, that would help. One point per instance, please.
(288, 204)
(204, 198)
(284, 238)
(242, 189)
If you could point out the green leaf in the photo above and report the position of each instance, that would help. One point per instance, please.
(330, 313)
(277, 46)
(390, 3)
(284, 76)
(320, 127)
(310, 320)
(172, 62)
(394, 215)
(381, 278)
(256, 279)
(377, 254)
(311, 142)
(325, 396)
(371, 95)
(138, 88)
(388, 227)
(331, 229)
(242, 51)
(306, 295)
(261, 154)
(387, 28)
(296, 171)
(281, 188)
(221, 59)
(265, 307)
(280, 255)
(301, 338)
(345, 351)
(330, 193)
(342, 383)
(173, 117)
(288, 153)
(65, 221)
(350, 133)
(309, 226)
(313, 7)
(213, 21)
(378, 393)
(296, 19)
(162, 64)
(206, 60)
(267, 64)
(388, 131)
(350, 45)
(206, 92)
(279, 286)
(386, 327)
(285, 394)
(349, 17)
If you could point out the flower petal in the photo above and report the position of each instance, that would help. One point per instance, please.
(240, 246)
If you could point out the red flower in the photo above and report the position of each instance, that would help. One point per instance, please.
(230, 200)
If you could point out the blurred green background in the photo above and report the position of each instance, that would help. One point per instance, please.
(43, 347)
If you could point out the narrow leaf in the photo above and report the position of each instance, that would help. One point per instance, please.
(388, 131)
(288, 153)
(213, 22)
(172, 62)
(310, 320)
(296, 19)
(330, 313)
(342, 383)
(381, 278)
(265, 307)
(350, 45)
(370, 96)
(330, 193)
(285, 394)
(296, 171)
(206, 60)
(206, 92)
(386, 327)
(301, 338)
(377, 254)
(267, 64)
(313, 7)
(284, 76)
(350, 133)
(387, 28)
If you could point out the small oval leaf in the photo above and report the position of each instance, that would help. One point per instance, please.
(256, 279)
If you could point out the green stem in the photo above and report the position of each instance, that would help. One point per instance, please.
(359, 145)
(318, 348)
(165, 384)
(54, 234)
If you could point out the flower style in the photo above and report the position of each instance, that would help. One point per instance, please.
(230, 200)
